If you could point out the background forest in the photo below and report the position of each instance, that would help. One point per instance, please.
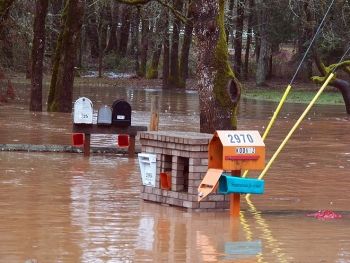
(161, 39)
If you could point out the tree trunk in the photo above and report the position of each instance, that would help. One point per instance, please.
(174, 55)
(185, 51)
(134, 32)
(56, 8)
(237, 67)
(344, 87)
(136, 36)
(66, 58)
(308, 27)
(230, 26)
(218, 88)
(263, 60)
(92, 29)
(166, 53)
(4, 31)
(38, 49)
(152, 71)
(6, 44)
(4, 9)
(249, 40)
(112, 44)
(144, 47)
(102, 43)
(124, 30)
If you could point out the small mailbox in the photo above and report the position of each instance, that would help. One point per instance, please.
(229, 184)
(121, 113)
(104, 116)
(83, 111)
(236, 150)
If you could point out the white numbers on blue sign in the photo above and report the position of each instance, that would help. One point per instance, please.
(240, 138)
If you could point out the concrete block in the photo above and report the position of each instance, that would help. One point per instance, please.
(178, 202)
(216, 197)
(152, 197)
(194, 161)
(187, 204)
(207, 205)
(173, 194)
(198, 169)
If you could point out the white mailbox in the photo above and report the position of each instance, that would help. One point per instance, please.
(104, 116)
(83, 111)
(148, 167)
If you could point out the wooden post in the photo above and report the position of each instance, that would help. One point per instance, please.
(131, 148)
(235, 199)
(87, 145)
(154, 122)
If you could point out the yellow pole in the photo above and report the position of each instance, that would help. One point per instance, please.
(273, 119)
(318, 94)
(278, 109)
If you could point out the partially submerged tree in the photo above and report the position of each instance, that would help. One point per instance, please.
(61, 88)
(38, 55)
(341, 84)
(219, 90)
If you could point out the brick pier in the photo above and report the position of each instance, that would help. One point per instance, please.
(184, 155)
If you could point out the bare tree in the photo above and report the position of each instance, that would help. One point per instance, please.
(61, 88)
(38, 55)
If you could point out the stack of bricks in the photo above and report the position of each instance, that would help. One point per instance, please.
(183, 156)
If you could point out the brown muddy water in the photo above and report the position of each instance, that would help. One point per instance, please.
(62, 207)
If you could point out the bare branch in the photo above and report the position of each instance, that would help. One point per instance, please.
(174, 11)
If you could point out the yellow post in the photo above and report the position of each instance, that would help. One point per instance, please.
(318, 94)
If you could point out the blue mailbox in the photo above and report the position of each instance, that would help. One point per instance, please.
(229, 184)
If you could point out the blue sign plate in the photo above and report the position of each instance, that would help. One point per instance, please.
(229, 184)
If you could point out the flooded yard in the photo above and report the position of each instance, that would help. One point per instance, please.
(63, 207)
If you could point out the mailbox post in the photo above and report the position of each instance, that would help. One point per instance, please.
(109, 121)
(233, 151)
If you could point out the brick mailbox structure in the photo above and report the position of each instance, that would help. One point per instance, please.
(183, 156)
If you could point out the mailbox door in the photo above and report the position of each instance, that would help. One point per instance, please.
(83, 111)
(104, 116)
(244, 158)
(121, 115)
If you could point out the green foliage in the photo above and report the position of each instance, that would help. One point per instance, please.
(113, 61)
(344, 65)
(152, 73)
(282, 26)
(295, 96)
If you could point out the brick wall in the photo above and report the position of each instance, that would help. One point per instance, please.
(183, 155)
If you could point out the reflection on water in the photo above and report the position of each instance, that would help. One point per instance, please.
(67, 208)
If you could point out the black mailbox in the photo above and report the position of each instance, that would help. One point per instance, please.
(121, 113)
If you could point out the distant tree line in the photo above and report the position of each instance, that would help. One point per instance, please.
(169, 40)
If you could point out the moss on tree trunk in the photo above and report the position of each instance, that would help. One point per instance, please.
(219, 90)
(61, 89)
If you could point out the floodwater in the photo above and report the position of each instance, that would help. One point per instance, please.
(63, 207)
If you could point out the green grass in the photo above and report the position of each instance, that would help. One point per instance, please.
(298, 96)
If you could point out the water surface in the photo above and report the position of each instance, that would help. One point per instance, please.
(61, 207)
